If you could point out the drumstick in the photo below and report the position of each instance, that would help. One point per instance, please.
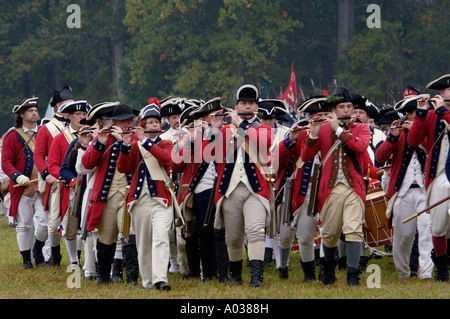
(31, 181)
(426, 209)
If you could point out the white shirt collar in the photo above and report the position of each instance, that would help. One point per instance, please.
(249, 121)
(34, 129)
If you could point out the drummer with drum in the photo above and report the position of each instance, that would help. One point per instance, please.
(406, 193)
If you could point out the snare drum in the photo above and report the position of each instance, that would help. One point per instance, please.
(376, 230)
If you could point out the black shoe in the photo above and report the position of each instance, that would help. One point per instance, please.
(268, 260)
(236, 272)
(191, 275)
(283, 272)
(256, 272)
(353, 276)
(328, 274)
(342, 263)
(55, 257)
(37, 253)
(309, 271)
(117, 271)
(363, 261)
(164, 286)
(26, 257)
(442, 273)
(105, 257)
(130, 259)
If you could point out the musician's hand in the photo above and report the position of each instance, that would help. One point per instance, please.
(50, 179)
(315, 127)
(395, 131)
(407, 125)
(191, 132)
(217, 121)
(23, 180)
(85, 139)
(234, 117)
(204, 124)
(116, 132)
(439, 101)
(295, 132)
(103, 135)
(423, 103)
(380, 173)
(332, 119)
(127, 139)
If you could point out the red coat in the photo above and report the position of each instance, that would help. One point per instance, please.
(425, 129)
(130, 162)
(56, 155)
(357, 138)
(261, 135)
(395, 146)
(193, 171)
(44, 140)
(103, 158)
(287, 155)
(13, 144)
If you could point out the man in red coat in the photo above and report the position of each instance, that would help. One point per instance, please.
(301, 223)
(18, 165)
(242, 195)
(196, 192)
(76, 111)
(107, 198)
(47, 181)
(342, 190)
(433, 126)
(406, 190)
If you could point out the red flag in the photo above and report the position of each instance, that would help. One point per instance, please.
(290, 95)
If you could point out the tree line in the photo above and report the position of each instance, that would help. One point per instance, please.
(136, 49)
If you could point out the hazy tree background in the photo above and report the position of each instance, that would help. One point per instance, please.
(136, 49)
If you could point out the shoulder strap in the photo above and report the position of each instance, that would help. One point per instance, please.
(333, 147)
(26, 138)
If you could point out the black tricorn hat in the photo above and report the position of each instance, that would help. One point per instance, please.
(62, 95)
(302, 121)
(122, 112)
(74, 106)
(98, 111)
(340, 95)
(186, 117)
(206, 108)
(25, 104)
(314, 104)
(173, 106)
(388, 117)
(362, 103)
(409, 104)
(271, 108)
(439, 84)
(247, 92)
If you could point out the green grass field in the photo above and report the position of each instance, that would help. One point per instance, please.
(52, 283)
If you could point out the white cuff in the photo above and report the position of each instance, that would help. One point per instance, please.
(339, 131)
(313, 137)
